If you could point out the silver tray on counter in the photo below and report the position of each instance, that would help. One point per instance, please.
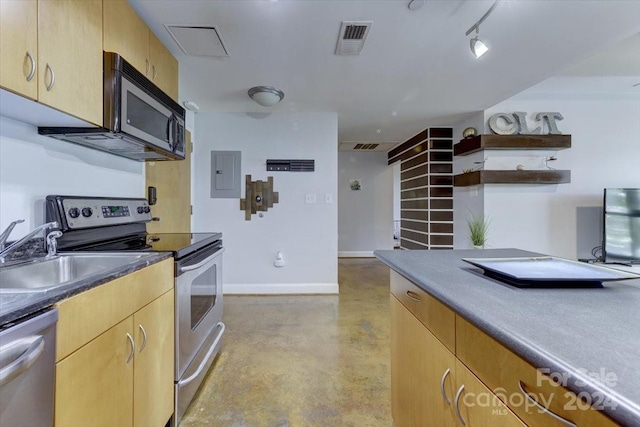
(546, 271)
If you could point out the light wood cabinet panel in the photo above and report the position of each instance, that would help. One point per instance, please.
(478, 406)
(499, 368)
(126, 33)
(86, 315)
(432, 313)
(164, 67)
(418, 364)
(153, 375)
(94, 385)
(70, 57)
(19, 46)
(173, 183)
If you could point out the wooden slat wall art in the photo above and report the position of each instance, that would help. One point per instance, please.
(259, 197)
(426, 183)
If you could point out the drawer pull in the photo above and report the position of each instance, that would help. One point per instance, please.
(133, 347)
(442, 390)
(456, 405)
(414, 296)
(542, 408)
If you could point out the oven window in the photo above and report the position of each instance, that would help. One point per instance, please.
(146, 118)
(203, 295)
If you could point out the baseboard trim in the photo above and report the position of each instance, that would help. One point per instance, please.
(355, 254)
(280, 288)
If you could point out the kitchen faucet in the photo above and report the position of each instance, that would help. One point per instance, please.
(5, 234)
(50, 240)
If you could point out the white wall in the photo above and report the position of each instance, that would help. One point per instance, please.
(33, 166)
(605, 152)
(307, 234)
(365, 217)
(467, 201)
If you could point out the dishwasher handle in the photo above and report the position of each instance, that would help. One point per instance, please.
(28, 349)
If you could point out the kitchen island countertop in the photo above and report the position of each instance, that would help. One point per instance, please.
(590, 335)
(14, 305)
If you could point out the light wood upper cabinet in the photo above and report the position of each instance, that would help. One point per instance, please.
(70, 57)
(173, 184)
(153, 376)
(19, 46)
(164, 67)
(127, 34)
(94, 385)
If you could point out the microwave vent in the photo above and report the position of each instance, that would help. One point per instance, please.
(198, 40)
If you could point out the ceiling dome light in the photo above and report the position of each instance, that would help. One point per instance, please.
(478, 48)
(266, 95)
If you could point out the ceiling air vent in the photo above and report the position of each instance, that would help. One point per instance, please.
(365, 146)
(198, 40)
(353, 34)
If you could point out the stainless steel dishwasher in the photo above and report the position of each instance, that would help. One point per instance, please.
(27, 362)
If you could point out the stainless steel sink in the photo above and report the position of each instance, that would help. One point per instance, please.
(62, 270)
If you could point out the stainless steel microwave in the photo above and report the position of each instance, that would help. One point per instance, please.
(141, 122)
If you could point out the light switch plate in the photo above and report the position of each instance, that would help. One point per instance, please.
(310, 198)
(328, 198)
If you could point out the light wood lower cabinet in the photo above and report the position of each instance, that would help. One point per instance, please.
(418, 365)
(429, 385)
(474, 383)
(94, 385)
(153, 373)
(122, 374)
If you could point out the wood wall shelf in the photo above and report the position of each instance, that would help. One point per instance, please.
(512, 177)
(511, 142)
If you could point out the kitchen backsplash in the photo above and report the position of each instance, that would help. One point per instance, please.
(33, 166)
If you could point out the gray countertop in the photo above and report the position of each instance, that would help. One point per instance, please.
(581, 333)
(16, 305)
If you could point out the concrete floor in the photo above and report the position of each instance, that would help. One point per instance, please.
(303, 360)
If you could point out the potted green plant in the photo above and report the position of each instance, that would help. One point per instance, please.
(478, 229)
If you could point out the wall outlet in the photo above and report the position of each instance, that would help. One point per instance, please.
(310, 198)
(328, 198)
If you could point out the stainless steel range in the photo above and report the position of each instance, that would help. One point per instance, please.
(119, 224)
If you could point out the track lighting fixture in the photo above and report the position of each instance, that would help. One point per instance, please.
(478, 47)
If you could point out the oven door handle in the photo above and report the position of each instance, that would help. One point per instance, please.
(201, 263)
(193, 376)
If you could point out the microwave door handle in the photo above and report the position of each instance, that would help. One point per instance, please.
(169, 122)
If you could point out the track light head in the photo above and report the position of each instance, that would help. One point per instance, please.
(478, 48)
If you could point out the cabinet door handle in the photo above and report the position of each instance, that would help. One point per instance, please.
(414, 296)
(33, 66)
(53, 77)
(542, 408)
(456, 405)
(442, 390)
(144, 338)
(155, 73)
(148, 66)
(133, 347)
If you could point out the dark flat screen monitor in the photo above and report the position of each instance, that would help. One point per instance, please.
(621, 240)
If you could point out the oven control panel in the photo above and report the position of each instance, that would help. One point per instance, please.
(96, 212)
